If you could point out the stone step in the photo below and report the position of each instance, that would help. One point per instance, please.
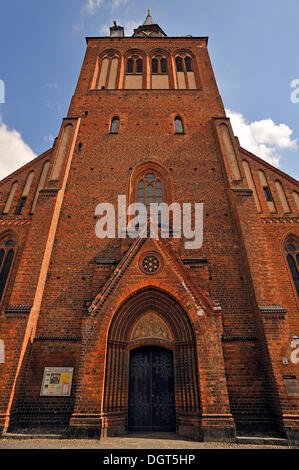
(263, 441)
(22, 436)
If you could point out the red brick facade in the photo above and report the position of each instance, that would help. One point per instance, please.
(73, 300)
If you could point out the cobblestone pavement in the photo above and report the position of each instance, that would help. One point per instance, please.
(132, 441)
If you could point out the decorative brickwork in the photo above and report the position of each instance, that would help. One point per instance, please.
(76, 301)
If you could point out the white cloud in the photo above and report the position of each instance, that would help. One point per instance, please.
(104, 30)
(49, 139)
(264, 138)
(130, 26)
(91, 6)
(51, 85)
(114, 4)
(14, 152)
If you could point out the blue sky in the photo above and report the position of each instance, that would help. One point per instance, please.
(253, 47)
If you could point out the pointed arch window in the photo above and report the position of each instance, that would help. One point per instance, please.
(10, 198)
(134, 64)
(150, 189)
(154, 66)
(139, 66)
(179, 127)
(109, 68)
(159, 64)
(184, 63)
(26, 191)
(7, 254)
(179, 64)
(292, 254)
(130, 66)
(114, 128)
(188, 64)
(185, 71)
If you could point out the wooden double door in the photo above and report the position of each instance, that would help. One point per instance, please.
(151, 390)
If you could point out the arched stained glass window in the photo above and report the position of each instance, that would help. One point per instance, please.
(2, 253)
(150, 189)
(159, 192)
(141, 192)
(5, 266)
(292, 249)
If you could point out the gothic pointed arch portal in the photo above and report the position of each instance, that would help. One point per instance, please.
(152, 324)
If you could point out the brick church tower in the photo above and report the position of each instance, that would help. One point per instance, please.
(108, 336)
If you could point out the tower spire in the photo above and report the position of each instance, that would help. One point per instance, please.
(149, 28)
(149, 20)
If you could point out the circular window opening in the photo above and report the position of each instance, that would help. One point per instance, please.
(151, 263)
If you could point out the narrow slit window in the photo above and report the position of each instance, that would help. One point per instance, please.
(179, 64)
(139, 66)
(2, 253)
(292, 256)
(163, 66)
(179, 128)
(21, 206)
(141, 192)
(267, 194)
(5, 271)
(188, 64)
(294, 271)
(130, 66)
(155, 66)
(114, 126)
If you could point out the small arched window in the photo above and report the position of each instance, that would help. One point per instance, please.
(185, 71)
(163, 66)
(179, 64)
(114, 126)
(154, 66)
(292, 252)
(179, 128)
(135, 64)
(139, 67)
(130, 66)
(159, 64)
(188, 64)
(7, 254)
